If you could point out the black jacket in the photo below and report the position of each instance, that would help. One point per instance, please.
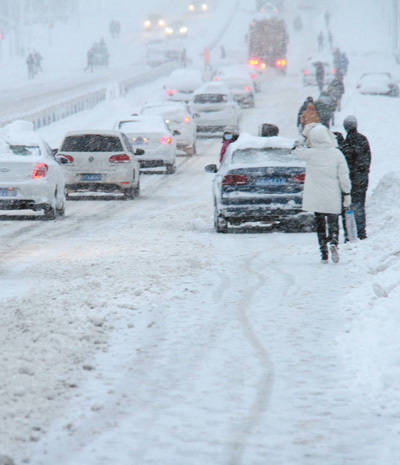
(303, 108)
(325, 106)
(357, 151)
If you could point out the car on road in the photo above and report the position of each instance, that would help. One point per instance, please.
(214, 109)
(181, 84)
(240, 85)
(260, 183)
(152, 140)
(176, 29)
(309, 71)
(154, 22)
(378, 84)
(30, 177)
(159, 52)
(198, 6)
(99, 161)
(179, 121)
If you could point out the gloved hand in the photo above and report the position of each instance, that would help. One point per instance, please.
(346, 200)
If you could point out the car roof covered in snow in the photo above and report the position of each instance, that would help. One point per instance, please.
(215, 87)
(21, 133)
(143, 123)
(247, 141)
(94, 132)
(185, 74)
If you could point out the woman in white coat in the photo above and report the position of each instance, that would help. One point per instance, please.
(327, 182)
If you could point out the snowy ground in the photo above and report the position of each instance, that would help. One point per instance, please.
(130, 332)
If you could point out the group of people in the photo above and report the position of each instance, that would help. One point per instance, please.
(97, 55)
(34, 63)
(337, 174)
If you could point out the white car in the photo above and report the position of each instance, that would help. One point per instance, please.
(30, 177)
(179, 120)
(100, 161)
(181, 84)
(240, 85)
(244, 71)
(159, 52)
(260, 181)
(214, 109)
(309, 71)
(176, 29)
(153, 141)
(198, 6)
(378, 84)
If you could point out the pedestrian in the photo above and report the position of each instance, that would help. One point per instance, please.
(320, 74)
(229, 136)
(358, 155)
(344, 63)
(330, 40)
(309, 116)
(30, 63)
(336, 89)
(327, 17)
(321, 40)
(325, 106)
(327, 180)
(302, 109)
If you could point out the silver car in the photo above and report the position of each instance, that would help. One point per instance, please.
(98, 160)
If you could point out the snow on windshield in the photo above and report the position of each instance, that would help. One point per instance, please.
(268, 155)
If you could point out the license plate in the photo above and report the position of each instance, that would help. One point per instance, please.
(8, 193)
(270, 181)
(90, 177)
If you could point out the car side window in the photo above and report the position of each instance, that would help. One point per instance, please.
(127, 143)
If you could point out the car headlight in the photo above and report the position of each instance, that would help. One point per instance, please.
(204, 7)
(147, 24)
(191, 7)
(161, 22)
(169, 30)
(183, 30)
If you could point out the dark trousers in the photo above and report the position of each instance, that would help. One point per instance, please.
(327, 223)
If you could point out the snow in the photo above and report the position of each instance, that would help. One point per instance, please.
(130, 332)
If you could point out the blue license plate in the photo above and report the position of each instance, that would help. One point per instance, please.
(8, 193)
(91, 177)
(270, 181)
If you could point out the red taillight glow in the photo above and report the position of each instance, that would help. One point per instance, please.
(333, 71)
(40, 171)
(280, 63)
(166, 140)
(247, 88)
(216, 78)
(253, 75)
(171, 91)
(254, 61)
(70, 158)
(306, 72)
(235, 180)
(299, 177)
(122, 158)
(187, 119)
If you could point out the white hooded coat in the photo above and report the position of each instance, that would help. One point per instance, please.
(327, 173)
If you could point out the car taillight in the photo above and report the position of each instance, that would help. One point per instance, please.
(171, 91)
(254, 62)
(247, 88)
(234, 179)
(280, 63)
(333, 71)
(166, 140)
(216, 78)
(306, 72)
(187, 119)
(299, 177)
(40, 171)
(122, 158)
(263, 65)
(253, 75)
(70, 158)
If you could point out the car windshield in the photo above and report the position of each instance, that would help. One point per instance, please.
(135, 127)
(92, 143)
(210, 98)
(26, 150)
(253, 156)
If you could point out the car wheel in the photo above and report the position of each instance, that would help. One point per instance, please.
(129, 194)
(220, 223)
(61, 211)
(170, 168)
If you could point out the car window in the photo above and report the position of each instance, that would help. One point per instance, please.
(267, 155)
(92, 143)
(127, 143)
(26, 150)
(210, 98)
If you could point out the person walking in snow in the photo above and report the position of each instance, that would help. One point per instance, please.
(228, 137)
(336, 90)
(325, 106)
(327, 181)
(357, 151)
(320, 75)
(321, 41)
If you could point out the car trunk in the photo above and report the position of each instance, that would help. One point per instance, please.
(17, 170)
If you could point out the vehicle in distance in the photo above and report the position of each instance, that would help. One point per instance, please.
(309, 72)
(30, 177)
(176, 29)
(378, 84)
(159, 52)
(214, 109)
(198, 6)
(239, 83)
(179, 121)
(181, 84)
(100, 161)
(154, 22)
(260, 183)
(153, 142)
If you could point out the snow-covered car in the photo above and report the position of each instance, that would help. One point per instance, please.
(255, 75)
(240, 85)
(260, 181)
(179, 121)
(100, 161)
(30, 177)
(176, 29)
(150, 136)
(198, 6)
(159, 52)
(378, 84)
(214, 109)
(309, 71)
(181, 84)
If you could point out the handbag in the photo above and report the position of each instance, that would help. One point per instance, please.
(351, 225)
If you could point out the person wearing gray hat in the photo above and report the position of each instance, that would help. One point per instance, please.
(357, 151)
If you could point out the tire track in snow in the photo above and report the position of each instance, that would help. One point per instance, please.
(262, 400)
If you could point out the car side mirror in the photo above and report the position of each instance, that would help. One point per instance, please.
(60, 159)
(211, 168)
(139, 152)
(176, 133)
(54, 152)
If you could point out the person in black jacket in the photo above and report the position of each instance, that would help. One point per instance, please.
(325, 106)
(358, 155)
(303, 108)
